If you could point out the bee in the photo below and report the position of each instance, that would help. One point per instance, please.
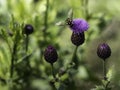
(69, 22)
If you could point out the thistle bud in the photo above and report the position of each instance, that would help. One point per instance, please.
(103, 51)
(78, 38)
(50, 54)
(28, 29)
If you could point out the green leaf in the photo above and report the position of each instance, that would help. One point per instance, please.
(98, 88)
(110, 74)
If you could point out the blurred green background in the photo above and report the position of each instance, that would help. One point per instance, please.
(103, 17)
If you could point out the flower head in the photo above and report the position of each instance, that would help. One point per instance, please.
(78, 25)
(103, 51)
(28, 29)
(50, 54)
(78, 38)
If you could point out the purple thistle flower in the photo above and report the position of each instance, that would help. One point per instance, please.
(78, 25)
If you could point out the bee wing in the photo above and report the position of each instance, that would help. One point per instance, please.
(60, 23)
(70, 14)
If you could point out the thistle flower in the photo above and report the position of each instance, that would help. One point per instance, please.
(77, 25)
(103, 51)
(28, 29)
(78, 38)
(50, 54)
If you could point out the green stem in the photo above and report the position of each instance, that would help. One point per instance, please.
(74, 54)
(26, 50)
(46, 20)
(54, 77)
(105, 77)
(104, 70)
(106, 86)
(12, 60)
(27, 42)
(85, 8)
(46, 16)
(74, 61)
(53, 73)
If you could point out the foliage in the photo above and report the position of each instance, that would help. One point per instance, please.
(22, 69)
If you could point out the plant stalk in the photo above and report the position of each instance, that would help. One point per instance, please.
(53, 73)
(27, 42)
(46, 16)
(26, 50)
(104, 70)
(74, 54)
(12, 60)
(86, 9)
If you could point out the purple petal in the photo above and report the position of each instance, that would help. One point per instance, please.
(79, 25)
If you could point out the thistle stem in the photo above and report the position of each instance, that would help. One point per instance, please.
(104, 70)
(74, 54)
(26, 50)
(105, 77)
(54, 77)
(74, 59)
(27, 42)
(53, 73)
(12, 60)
